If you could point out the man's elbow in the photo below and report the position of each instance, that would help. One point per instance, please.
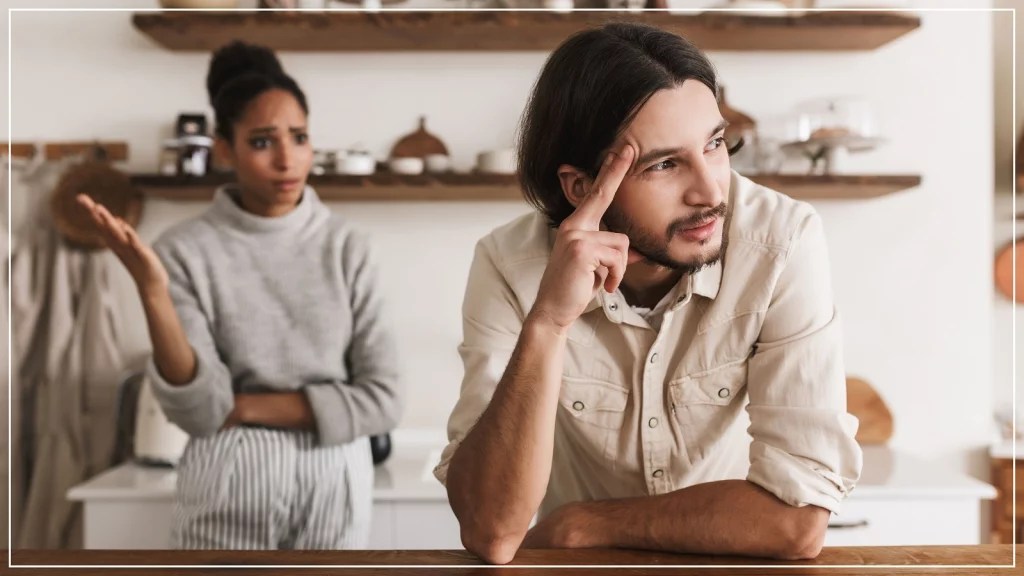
(490, 547)
(803, 535)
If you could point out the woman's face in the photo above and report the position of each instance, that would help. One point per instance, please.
(271, 153)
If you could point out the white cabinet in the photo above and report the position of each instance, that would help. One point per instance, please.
(918, 522)
(899, 501)
(406, 525)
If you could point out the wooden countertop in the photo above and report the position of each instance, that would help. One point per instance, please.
(547, 562)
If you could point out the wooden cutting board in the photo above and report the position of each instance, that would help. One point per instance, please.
(863, 401)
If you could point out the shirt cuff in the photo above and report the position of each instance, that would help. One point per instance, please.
(441, 470)
(799, 481)
(200, 407)
(331, 413)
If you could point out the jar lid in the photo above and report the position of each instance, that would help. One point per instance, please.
(196, 140)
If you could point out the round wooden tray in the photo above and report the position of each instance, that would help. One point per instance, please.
(105, 185)
(1004, 270)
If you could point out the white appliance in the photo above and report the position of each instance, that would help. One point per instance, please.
(157, 440)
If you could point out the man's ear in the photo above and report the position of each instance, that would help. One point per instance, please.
(575, 184)
(223, 153)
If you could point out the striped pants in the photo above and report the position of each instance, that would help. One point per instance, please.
(262, 489)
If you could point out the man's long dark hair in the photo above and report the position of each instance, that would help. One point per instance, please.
(590, 89)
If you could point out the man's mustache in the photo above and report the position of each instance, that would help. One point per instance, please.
(698, 219)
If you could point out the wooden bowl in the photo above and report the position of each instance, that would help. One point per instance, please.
(1004, 270)
(105, 185)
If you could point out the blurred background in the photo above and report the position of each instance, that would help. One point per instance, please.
(898, 126)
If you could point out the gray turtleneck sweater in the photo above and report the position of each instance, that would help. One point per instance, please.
(280, 304)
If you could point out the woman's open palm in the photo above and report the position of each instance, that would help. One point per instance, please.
(141, 261)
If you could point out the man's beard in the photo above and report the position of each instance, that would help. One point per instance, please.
(646, 243)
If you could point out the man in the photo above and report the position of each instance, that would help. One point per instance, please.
(613, 339)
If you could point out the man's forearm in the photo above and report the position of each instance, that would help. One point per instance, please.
(726, 517)
(499, 474)
(288, 410)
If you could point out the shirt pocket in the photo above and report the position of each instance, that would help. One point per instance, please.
(595, 412)
(706, 404)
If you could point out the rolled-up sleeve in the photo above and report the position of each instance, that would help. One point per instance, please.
(200, 407)
(803, 450)
(492, 319)
(370, 403)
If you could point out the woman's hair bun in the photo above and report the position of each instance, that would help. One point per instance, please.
(239, 59)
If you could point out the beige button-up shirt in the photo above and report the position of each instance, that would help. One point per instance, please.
(744, 378)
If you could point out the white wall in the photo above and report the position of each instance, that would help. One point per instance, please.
(912, 272)
(1007, 131)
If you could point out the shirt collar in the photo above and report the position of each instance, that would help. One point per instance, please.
(708, 281)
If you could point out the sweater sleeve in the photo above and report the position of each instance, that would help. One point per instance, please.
(370, 403)
(200, 407)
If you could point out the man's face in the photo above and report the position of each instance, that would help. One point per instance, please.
(672, 203)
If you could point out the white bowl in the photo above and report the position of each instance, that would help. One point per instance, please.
(437, 163)
(497, 161)
(355, 164)
(406, 165)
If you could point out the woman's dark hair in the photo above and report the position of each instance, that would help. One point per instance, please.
(239, 73)
(590, 89)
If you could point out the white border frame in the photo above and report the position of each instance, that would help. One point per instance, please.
(476, 567)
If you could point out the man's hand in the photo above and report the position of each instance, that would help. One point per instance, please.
(563, 528)
(584, 257)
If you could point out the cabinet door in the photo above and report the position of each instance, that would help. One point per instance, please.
(426, 526)
(902, 522)
(127, 525)
(382, 526)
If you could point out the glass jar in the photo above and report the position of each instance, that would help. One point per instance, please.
(194, 155)
(169, 157)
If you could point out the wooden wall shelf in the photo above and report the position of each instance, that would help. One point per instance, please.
(513, 31)
(387, 187)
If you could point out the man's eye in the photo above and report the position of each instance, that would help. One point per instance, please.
(660, 166)
(715, 144)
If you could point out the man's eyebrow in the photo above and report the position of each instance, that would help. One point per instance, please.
(658, 153)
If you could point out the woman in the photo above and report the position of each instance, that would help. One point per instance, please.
(271, 345)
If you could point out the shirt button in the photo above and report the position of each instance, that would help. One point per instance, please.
(654, 358)
(723, 393)
(577, 405)
(653, 422)
(613, 306)
(658, 474)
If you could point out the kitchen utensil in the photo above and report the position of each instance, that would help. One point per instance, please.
(827, 130)
(438, 163)
(740, 124)
(355, 162)
(199, 4)
(105, 185)
(193, 124)
(419, 144)
(497, 161)
(324, 162)
(406, 165)
(194, 155)
(741, 127)
(158, 441)
(1004, 270)
(169, 157)
(876, 425)
(380, 447)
